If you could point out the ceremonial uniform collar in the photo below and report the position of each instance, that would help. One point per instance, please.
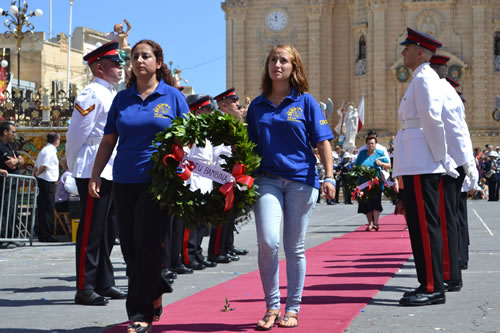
(104, 83)
(419, 69)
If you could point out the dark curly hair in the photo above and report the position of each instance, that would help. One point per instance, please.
(162, 73)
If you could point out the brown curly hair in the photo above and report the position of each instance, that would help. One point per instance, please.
(162, 73)
(298, 77)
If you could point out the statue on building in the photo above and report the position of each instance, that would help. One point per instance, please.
(121, 36)
(178, 78)
(429, 27)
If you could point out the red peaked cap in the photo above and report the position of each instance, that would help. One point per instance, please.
(106, 51)
(439, 59)
(199, 103)
(454, 83)
(226, 94)
(421, 39)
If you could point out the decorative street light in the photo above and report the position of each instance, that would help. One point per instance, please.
(16, 21)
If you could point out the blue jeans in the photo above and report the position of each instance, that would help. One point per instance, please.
(290, 201)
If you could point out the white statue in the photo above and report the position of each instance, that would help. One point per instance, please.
(350, 127)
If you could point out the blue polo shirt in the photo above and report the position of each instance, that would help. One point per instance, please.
(137, 121)
(284, 135)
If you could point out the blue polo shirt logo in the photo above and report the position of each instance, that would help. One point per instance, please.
(161, 110)
(323, 122)
(294, 113)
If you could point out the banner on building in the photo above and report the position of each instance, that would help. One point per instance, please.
(4, 71)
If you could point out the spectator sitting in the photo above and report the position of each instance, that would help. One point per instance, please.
(482, 193)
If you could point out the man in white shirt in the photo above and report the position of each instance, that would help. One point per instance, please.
(97, 229)
(47, 173)
(420, 157)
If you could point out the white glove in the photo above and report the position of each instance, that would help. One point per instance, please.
(474, 177)
(450, 166)
(469, 168)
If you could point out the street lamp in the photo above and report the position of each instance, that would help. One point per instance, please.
(16, 21)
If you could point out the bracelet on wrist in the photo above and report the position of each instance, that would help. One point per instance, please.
(330, 180)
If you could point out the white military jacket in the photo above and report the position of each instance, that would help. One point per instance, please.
(420, 144)
(86, 129)
(457, 132)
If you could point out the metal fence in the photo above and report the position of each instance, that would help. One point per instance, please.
(18, 195)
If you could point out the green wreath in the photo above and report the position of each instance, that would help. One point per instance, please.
(358, 175)
(196, 208)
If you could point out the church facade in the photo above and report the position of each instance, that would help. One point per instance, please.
(351, 49)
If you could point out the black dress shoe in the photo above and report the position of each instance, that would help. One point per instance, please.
(464, 266)
(168, 274)
(452, 285)
(208, 263)
(233, 258)
(113, 293)
(239, 252)
(182, 270)
(196, 266)
(420, 298)
(414, 291)
(220, 259)
(89, 297)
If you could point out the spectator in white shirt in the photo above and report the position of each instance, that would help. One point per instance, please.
(47, 173)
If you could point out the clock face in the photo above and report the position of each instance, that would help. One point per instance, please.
(276, 20)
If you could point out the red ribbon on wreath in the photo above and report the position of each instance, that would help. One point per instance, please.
(185, 167)
(228, 188)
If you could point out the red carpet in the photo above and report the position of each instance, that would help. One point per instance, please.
(343, 275)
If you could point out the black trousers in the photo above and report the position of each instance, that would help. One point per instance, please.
(463, 230)
(45, 206)
(95, 238)
(173, 243)
(493, 188)
(424, 226)
(449, 194)
(143, 226)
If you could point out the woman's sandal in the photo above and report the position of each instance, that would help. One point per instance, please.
(136, 327)
(267, 317)
(370, 227)
(158, 309)
(287, 317)
(375, 227)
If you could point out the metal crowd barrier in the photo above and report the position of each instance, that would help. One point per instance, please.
(18, 195)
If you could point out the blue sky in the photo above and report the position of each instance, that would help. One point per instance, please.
(191, 32)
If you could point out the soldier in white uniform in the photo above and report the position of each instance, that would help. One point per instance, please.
(420, 157)
(460, 150)
(97, 228)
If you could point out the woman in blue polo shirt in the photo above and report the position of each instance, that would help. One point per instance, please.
(147, 107)
(286, 123)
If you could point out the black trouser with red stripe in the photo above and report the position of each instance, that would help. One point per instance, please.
(463, 231)
(191, 246)
(422, 216)
(449, 194)
(143, 226)
(221, 240)
(95, 238)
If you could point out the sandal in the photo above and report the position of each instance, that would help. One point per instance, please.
(136, 327)
(268, 317)
(287, 317)
(370, 227)
(158, 309)
(375, 227)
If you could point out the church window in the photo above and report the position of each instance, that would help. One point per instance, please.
(361, 61)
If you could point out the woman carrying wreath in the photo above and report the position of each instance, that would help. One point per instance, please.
(147, 107)
(286, 123)
(373, 158)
